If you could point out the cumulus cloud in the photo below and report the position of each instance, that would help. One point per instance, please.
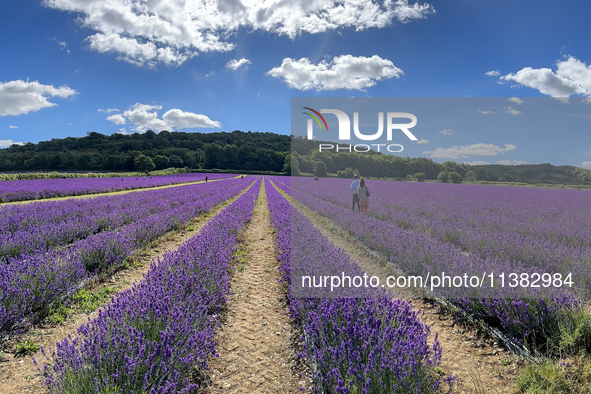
(145, 116)
(515, 100)
(492, 73)
(477, 163)
(447, 132)
(8, 143)
(343, 72)
(117, 119)
(466, 151)
(108, 110)
(236, 64)
(21, 97)
(587, 100)
(571, 77)
(172, 31)
(421, 142)
(12, 127)
(586, 164)
(512, 111)
(485, 112)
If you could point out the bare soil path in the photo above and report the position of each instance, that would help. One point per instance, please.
(480, 365)
(255, 343)
(20, 375)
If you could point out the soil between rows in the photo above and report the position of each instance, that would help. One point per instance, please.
(256, 342)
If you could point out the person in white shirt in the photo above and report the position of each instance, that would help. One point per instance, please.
(354, 187)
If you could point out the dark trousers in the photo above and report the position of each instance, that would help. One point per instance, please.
(356, 200)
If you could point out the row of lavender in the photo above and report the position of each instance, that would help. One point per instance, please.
(543, 319)
(49, 188)
(41, 226)
(29, 283)
(149, 338)
(356, 345)
(538, 227)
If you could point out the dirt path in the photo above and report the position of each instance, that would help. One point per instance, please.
(479, 365)
(254, 344)
(21, 375)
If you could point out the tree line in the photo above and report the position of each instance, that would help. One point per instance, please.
(238, 150)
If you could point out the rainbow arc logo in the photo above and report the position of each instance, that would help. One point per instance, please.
(315, 118)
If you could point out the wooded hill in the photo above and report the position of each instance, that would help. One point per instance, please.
(255, 151)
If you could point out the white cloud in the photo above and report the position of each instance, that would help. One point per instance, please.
(210, 74)
(459, 152)
(511, 162)
(515, 100)
(172, 31)
(447, 132)
(186, 120)
(144, 117)
(108, 110)
(586, 164)
(477, 163)
(21, 97)
(571, 77)
(563, 100)
(512, 111)
(587, 100)
(495, 73)
(421, 142)
(117, 119)
(8, 143)
(12, 127)
(236, 64)
(485, 112)
(343, 72)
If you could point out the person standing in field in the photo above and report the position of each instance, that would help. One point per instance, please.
(354, 187)
(363, 193)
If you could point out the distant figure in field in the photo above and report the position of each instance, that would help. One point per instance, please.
(121, 179)
(354, 187)
(206, 179)
(363, 192)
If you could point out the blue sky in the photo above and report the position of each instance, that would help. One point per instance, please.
(73, 66)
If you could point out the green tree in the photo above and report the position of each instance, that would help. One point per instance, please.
(454, 177)
(175, 161)
(471, 176)
(420, 176)
(161, 162)
(143, 163)
(319, 168)
(443, 176)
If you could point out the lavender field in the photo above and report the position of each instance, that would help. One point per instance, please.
(161, 334)
(424, 228)
(49, 188)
